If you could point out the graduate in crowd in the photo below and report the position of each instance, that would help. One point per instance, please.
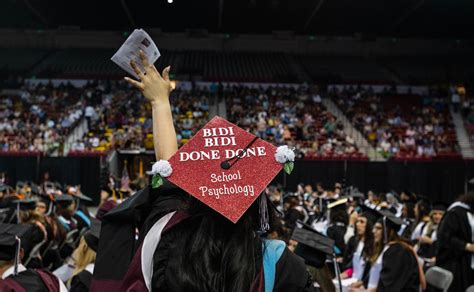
(184, 244)
(67, 224)
(337, 227)
(29, 216)
(408, 217)
(14, 276)
(293, 212)
(81, 214)
(456, 242)
(427, 242)
(84, 259)
(422, 212)
(393, 264)
(360, 246)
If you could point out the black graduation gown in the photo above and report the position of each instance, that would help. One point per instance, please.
(81, 282)
(37, 237)
(454, 233)
(291, 217)
(349, 252)
(51, 256)
(291, 274)
(337, 232)
(142, 210)
(399, 271)
(30, 281)
(427, 250)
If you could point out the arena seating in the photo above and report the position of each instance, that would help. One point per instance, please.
(402, 126)
(291, 116)
(39, 119)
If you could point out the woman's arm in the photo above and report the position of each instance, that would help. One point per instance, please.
(157, 88)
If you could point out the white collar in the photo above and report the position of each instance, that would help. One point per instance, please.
(90, 268)
(459, 204)
(9, 271)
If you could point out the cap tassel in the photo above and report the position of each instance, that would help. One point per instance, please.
(264, 218)
(17, 256)
(18, 213)
(385, 236)
(226, 164)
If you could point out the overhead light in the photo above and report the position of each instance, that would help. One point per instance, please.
(170, 1)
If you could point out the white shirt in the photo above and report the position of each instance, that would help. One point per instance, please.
(418, 231)
(9, 271)
(22, 268)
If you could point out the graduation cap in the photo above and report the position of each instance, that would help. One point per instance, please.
(312, 246)
(371, 214)
(83, 197)
(337, 204)
(389, 221)
(12, 238)
(63, 200)
(25, 204)
(225, 167)
(439, 206)
(92, 236)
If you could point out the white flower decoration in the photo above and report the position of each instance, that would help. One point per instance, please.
(284, 154)
(162, 167)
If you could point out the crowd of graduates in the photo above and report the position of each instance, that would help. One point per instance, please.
(47, 230)
(383, 241)
(380, 240)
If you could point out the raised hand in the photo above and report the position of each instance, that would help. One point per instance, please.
(155, 87)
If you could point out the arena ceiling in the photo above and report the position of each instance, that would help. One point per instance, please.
(371, 18)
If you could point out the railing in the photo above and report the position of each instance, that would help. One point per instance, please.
(349, 129)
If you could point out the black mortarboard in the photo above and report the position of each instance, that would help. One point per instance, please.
(8, 239)
(63, 200)
(371, 214)
(83, 197)
(439, 206)
(390, 220)
(26, 204)
(312, 246)
(92, 236)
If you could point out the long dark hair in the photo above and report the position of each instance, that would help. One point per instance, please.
(216, 254)
(368, 238)
(423, 209)
(339, 215)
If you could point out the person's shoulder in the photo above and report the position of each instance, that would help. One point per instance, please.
(289, 262)
(456, 213)
(401, 251)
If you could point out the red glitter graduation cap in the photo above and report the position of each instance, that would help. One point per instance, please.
(225, 167)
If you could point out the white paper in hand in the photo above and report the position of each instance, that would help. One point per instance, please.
(138, 40)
